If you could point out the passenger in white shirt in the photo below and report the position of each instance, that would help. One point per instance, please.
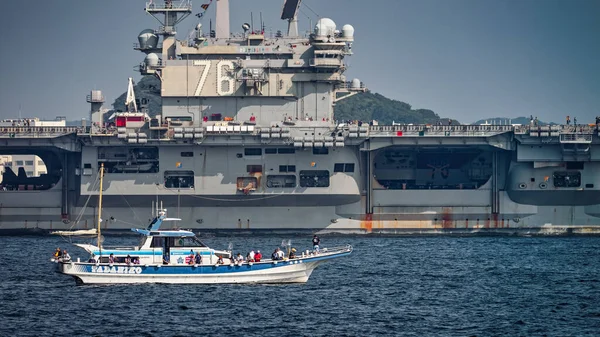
(250, 256)
(239, 259)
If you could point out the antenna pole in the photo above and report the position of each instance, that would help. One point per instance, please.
(100, 211)
(251, 23)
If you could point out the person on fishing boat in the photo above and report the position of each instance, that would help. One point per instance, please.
(92, 259)
(65, 256)
(220, 260)
(190, 258)
(257, 256)
(292, 253)
(316, 241)
(111, 258)
(198, 258)
(58, 253)
(128, 260)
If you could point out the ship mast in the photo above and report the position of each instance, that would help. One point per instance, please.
(100, 211)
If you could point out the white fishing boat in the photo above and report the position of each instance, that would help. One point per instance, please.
(178, 256)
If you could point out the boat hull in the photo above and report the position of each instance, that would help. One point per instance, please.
(289, 271)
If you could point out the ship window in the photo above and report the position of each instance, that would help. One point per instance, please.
(566, 179)
(320, 150)
(341, 167)
(281, 181)
(40, 162)
(252, 152)
(157, 242)
(19, 163)
(8, 164)
(574, 165)
(179, 179)
(253, 168)
(287, 168)
(286, 150)
(187, 154)
(270, 151)
(314, 178)
(589, 185)
(246, 184)
(87, 166)
(187, 241)
(29, 162)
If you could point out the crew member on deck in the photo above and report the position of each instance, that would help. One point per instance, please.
(292, 253)
(198, 258)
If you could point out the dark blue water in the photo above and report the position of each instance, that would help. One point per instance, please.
(404, 286)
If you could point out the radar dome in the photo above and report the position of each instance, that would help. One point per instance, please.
(348, 31)
(148, 39)
(151, 60)
(355, 84)
(325, 27)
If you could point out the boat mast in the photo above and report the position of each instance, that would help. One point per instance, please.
(100, 211)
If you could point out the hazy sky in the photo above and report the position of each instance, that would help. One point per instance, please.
(465, 59)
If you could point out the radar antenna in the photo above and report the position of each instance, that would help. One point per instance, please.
(130, 104)
(173, 13)
(290, 13)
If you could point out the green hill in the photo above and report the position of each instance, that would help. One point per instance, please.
(364, 106)
(372, 106)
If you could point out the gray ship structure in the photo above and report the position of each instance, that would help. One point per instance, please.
(247, 140)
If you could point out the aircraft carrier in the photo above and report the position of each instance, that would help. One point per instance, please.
(247, 140)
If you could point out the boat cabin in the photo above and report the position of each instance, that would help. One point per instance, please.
(161, 247)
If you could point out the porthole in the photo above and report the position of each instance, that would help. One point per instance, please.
(522, 186)
(543, 185)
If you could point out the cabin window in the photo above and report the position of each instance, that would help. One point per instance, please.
(281, 181)
(252, 152)
(87, 166)
(187, 154)
(179, 179)
(188, 241)
(287, 168)
(253, 168)
(270, 151)
(320, 150)
(314, 178)
(286, 150)
(566, 179)
(157, 242)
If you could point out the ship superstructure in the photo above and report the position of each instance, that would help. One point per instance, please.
(247, 139)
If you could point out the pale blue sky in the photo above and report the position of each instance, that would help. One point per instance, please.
(465, 59)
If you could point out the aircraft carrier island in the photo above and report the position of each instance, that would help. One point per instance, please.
(247, 140)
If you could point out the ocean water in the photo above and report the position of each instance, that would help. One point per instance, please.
(389, 286)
